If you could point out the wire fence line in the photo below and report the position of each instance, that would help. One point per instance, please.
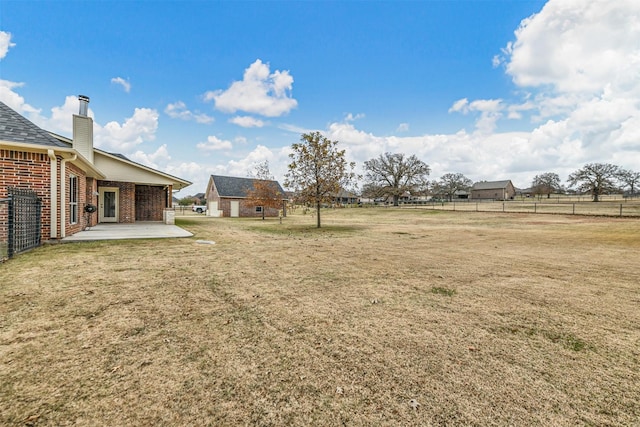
(620, 208)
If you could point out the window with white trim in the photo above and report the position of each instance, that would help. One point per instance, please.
(258, 209)
(73, 199)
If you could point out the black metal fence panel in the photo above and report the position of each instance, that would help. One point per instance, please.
(20, 222)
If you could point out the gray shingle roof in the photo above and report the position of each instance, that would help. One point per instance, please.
(490, 185)
(15, 128)
(231, 186)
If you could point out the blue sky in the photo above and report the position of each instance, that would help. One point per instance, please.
(492, 89)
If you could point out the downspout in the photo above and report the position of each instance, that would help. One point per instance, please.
(53, 220)
(63, 194)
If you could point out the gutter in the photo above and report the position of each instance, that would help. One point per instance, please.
(63, 193)
(53, 185)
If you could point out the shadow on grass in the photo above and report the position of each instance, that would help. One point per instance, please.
(307, 229)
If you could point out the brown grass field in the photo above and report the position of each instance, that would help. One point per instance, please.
(383, 317)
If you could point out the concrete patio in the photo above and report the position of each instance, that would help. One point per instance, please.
(138, 230)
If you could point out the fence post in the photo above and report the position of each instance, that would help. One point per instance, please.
(620, 209)
(535, 208)
(574, 209)
(503, 207)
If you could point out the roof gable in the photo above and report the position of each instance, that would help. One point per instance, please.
(16, 128)
(490, 185)
(231, 186)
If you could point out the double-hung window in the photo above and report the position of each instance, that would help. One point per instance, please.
(73, 199)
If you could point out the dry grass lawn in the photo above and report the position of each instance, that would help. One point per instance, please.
(382, 317)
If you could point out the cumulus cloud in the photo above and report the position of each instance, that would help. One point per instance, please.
(575, 64)
(214, 143)
(5, 43)
(178, 110)
(259, 92)
(577, 46)
(153, 160)
(135, 130)
(490, 111)
(126, 85)
(247, 122)
(9, 96)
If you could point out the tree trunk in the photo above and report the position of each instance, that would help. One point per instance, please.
(395, 199)
(318, 213)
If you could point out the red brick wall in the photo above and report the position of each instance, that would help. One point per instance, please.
(90, 198)
(31, 171)
(82, 197)
(150, 202)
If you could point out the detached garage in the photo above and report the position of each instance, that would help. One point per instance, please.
(229, 196)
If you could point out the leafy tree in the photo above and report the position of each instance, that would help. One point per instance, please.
(596, 178)
(449, 183)
(318, 170)
(629, 179)
(394, 174)
(187, 201)
(265, 192)
(546, 183)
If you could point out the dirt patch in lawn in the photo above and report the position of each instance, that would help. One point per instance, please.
(382, 317)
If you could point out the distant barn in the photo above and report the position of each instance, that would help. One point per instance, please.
(227, 196)
(495, 190)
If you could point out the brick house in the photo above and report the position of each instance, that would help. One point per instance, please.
(227, 197)
(496, 190)
(70, 174)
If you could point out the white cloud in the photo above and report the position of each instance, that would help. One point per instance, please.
(351, 118)
(154, 160)
(577, 46)
(214, 144)
(247, 122)
(126, 85)
(15, 101)
(178, 110)
(135, 130)
(403, 127)
(490, 112)
(259, 92)
(5, 43)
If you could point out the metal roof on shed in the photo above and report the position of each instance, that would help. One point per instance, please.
(490, 185)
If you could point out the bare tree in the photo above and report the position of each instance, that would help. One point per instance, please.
(546, 183)
(394, 174)
(450, 183)
(596, 178)
(629, 179)
(318, 170)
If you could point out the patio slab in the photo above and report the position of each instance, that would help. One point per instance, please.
(138, 230)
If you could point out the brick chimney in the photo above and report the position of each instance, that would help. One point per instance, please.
(83, 130)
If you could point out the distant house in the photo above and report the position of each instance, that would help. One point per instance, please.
(78, 185)
(227, 196)
(495, 190)
(344, 197)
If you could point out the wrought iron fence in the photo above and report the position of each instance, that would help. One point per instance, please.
(20, 222)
